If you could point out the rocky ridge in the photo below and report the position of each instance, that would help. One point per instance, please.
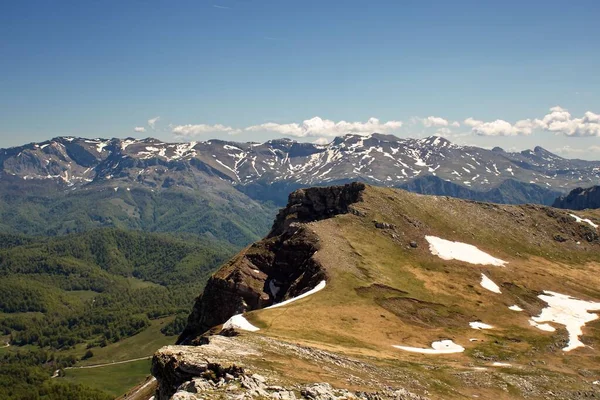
(274, 269)
(580, 199)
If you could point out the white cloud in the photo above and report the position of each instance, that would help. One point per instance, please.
(321, 140)
(472, 122)
(434, 121)
(447, 132)
(195, 130)
(326, 128)
(152, 122)
(572, 150)
(560, 121)
(139, 129)
(500, 127)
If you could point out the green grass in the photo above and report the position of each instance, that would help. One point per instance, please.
(113, 379)
(144, 344)
(118, 379)
(135, 283)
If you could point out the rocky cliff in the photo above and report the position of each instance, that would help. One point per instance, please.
(276, 268)
(580, 199)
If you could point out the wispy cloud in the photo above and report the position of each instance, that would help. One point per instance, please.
(152, 122)
(573, 150)
(139, 129)
(221, 7)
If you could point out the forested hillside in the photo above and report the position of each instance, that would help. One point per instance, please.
(31, 208)
(62, 297)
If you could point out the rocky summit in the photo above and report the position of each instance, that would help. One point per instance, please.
(375, 293)
(271, 170)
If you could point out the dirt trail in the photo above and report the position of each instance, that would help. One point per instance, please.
(111, 363)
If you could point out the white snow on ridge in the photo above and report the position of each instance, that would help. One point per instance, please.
(317, 288)
(488, 284)
(568, 311)
(449, 250)
(587, 221)
(239, 322)
(441, 347)
(480, 325)
(501, 364)
(542, 327)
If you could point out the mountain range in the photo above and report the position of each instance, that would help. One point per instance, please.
(270, 171)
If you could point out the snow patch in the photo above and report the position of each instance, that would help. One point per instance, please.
(515, 308)
(239, 322)
(568, 311)
(488, 284)
(449, 250)
(317, 288)
(542, 327)
(501, 364)
(587, 221)
(480, 325)
(441, 347)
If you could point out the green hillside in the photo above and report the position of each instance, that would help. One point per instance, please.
(222, 213)
(72, 297)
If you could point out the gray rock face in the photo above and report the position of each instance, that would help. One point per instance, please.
(580, 199)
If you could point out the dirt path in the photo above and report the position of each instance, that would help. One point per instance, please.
(112, 363)
(133, 395)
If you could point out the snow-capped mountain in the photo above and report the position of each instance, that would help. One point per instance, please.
(378, 159)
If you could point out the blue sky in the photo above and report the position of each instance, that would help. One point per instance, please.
(256, 69)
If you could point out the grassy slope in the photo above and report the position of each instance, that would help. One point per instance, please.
(429, 299)
(115, 379)
(144, 344)
(118, 379)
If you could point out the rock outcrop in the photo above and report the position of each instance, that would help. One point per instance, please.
(225, 368)
(277, 268)
(580, 199)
